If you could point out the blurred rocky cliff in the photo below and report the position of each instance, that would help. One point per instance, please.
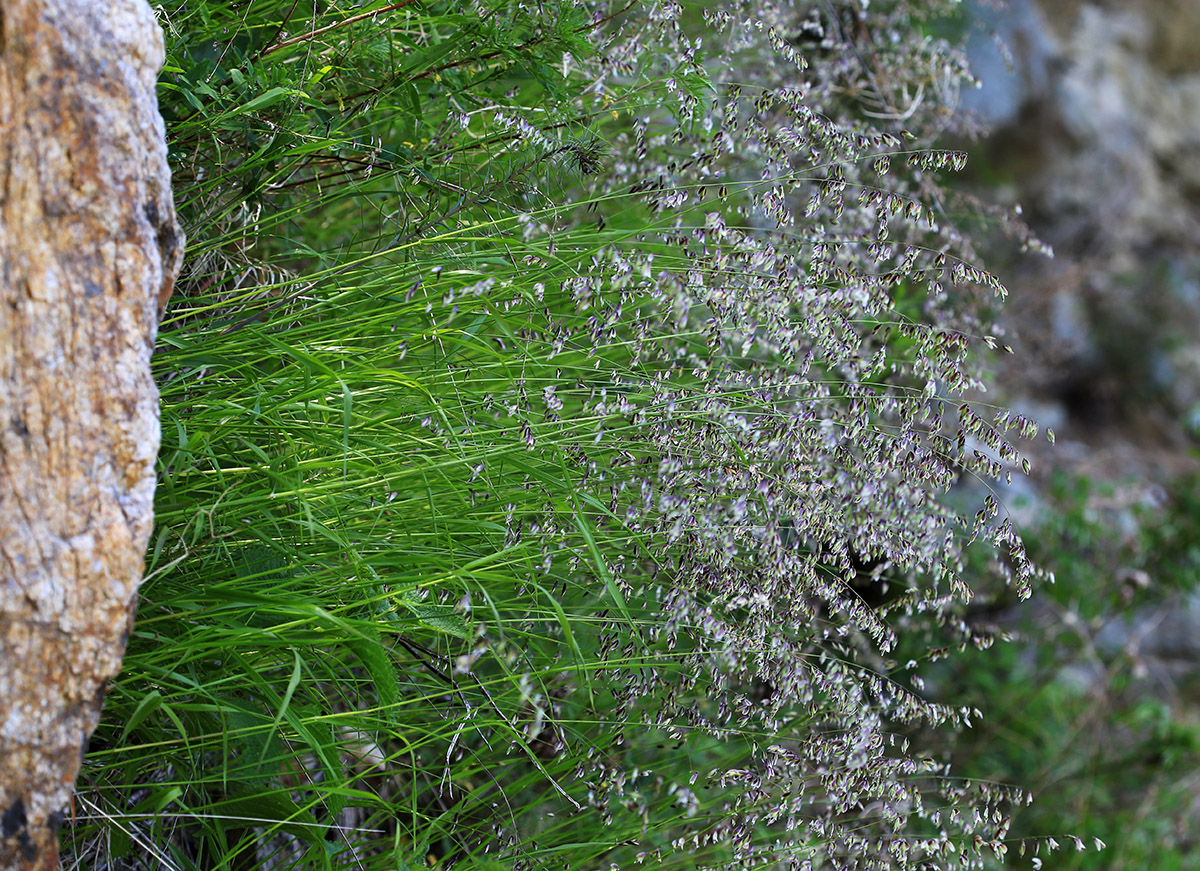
(1096, 114)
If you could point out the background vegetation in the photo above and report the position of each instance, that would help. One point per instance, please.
(555, 409)
(1088, 704)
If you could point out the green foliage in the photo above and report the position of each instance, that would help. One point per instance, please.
(550, 394)
(1096, 726)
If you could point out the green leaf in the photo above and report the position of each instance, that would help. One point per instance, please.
(274, 811)
(602, 568)
(149, 703)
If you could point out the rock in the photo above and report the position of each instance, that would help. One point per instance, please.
(1098, 135)
(1011, 51)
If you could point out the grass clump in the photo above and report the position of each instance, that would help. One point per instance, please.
(555, 411)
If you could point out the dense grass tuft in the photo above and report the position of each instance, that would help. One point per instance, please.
(555, 410)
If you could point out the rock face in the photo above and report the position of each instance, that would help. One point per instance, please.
(1128, 98)
(1097, 112)
(89, 247)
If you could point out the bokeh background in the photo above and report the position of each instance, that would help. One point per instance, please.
(1093, 117)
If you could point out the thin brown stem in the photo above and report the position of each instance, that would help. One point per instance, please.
(353, 18)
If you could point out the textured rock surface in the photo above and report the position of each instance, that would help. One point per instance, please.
(1099, 139)
(89, 246)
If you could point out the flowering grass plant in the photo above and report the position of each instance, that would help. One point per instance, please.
(556, 408)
